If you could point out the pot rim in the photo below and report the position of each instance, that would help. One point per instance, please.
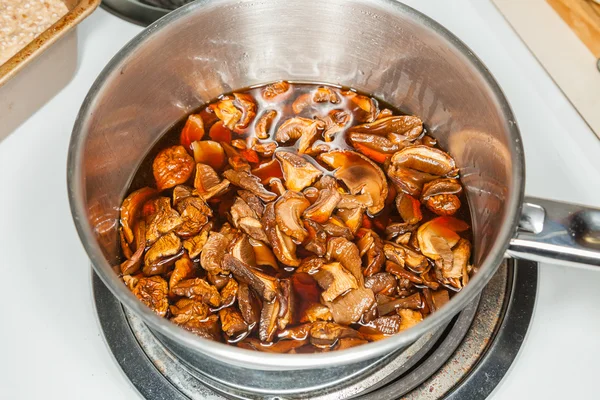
(260, 360)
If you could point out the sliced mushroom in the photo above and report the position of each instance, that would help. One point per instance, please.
(232, 322)
(181, 192)
(133, 263)
(152, 291)
(443, 204)
(277, 187)
(461, 254)
(425, 159)
(409, 208)
(441, 196)
(162, 221)
(402, 273)
(227, 112)
(346, 252)
(405, 256)
(325, 95)
(283, 245)
(213, 251)
(162, 254)
(352, 217)
(245, 180)
(360, 175)
(307, 130)
(262, 127)
(198, 289)
(276, 89)
(248, 106)
(412, 302)
(410, 318)
(438, 236)
(240, 209)
(217, 280)
(172, 166)
(186, 309)
(382, 283)
(286, 304)
(195, 244)
(363, 108)
(254, 228)
(195, 214)
(317, 238)
(184, 269)
(349, 308)
(326, 334)
(335, 280)
(241, 249)
(268, 320)
(288, 210)
(355, 201)
(377, 148)
(321, 210)
(372, 247)
(208, 328)
(398, 229)
(316, 312)
(131, 207)
(253, 202)
(439, 298)
(335, 227)
(298, 173)
(263, 254)
(335, 121)
(388, 325)
(216, 190)
(441, 186)
(206, 178)
(249, 305)
(408, 126)
(210, 153)
(409, 180)
(265, 285)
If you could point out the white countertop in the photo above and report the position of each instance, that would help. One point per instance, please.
(50, 342)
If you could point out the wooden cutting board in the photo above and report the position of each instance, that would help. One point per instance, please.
(583, 17)
(564, 35)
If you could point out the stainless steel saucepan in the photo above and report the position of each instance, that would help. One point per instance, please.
(377, 46)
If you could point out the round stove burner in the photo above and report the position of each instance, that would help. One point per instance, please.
(466, 359)
(138, 12)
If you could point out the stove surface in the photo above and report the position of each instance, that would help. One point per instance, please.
(52, 318)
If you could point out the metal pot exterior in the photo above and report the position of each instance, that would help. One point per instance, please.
(213, 46)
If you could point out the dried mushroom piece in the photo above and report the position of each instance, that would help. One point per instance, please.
(307, 130)
(172, 166)
(322, 209)
(131, 208)
(249, 305)
(186, 309)
(413, 302)
(438, 236)
(132, 264)
(195, 214)
(425, 159)
(195, 244)
(248, 106)
(409, 319)
(180, 192)
(268, 320)
(316, 312)
(316, 241)
(408, 126)
(441, 196)
(184, 269)
(162, 221)
(382, 283)
(198, 289)
(326, 334)
(286, 304)
(162, 254)
(241, 249)
(371, 246)
(360, 175)
(264, 124)
(266, 286)
(227, 112)
(245, 180)
(275, 90)
(346, 252)
(213, 252)
(408, 180)
(409, 208)
(362, 107)
(208, 328)
(335, 121)
(284, 247)
(152, 291)
(335, 280)
(232, 322)
(288, 210)
(298, 173)
(206, 178)
(349, 308)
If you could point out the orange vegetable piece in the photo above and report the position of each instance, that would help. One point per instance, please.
(220, 133)
(192, 131)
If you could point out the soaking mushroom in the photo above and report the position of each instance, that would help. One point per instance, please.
(298, 173)
(172, 166)
(360, 175)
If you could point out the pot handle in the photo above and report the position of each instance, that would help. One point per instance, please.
(558, 233)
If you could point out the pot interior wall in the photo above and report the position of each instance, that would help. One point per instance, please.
(217, 47)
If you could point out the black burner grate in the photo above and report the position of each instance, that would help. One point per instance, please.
(464, 360)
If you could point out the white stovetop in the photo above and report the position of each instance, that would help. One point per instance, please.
(50, 342)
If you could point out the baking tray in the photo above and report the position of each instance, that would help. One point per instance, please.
(78, 10)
